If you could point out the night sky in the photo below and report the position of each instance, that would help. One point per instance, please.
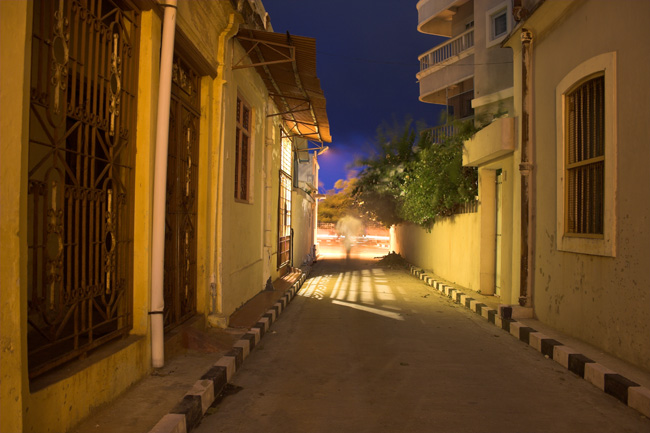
(367, 54)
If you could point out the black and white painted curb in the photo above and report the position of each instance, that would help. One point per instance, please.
(632, 394)
(188, 412)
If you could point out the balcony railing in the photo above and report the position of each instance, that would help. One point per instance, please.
(437, 133)
(449, 49)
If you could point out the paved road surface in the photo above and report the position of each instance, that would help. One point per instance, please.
(368, 349)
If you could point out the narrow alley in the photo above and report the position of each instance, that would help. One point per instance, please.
(197, 200)
(365, 348)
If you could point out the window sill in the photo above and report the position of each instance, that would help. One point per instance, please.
(595, 246)
(74, 367)
(496, 41)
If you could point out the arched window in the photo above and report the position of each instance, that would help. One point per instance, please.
(586, 157)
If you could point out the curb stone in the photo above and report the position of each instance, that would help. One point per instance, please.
(628, 392)
(188, 412)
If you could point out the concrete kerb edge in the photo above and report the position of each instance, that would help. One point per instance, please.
(628, 392)
(188, 411)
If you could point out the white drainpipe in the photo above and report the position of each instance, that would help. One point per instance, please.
(160, 186)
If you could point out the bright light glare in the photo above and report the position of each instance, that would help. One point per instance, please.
(377, 311)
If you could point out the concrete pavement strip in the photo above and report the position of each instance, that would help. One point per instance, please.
(188, 413)
(627, 391)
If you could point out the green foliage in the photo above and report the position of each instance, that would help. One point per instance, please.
(338, 202)
(438, 182)
(380, 184)
(413, 179)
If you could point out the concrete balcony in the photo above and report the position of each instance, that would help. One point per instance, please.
(435, 16)
(447, 52)
(435, 77)
(495, 140)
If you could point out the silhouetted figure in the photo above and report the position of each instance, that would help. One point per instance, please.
(348, 228)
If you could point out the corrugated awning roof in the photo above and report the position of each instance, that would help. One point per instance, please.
(287, 64)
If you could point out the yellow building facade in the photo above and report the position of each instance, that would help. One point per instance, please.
(79, 100)
(559, 231)
(589, 276)
(471, 74)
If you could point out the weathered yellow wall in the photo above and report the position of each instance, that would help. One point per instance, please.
(61, 405)
(274, 191)
(493, 70)
(242, 238)
(510, 237)
(202, 24)
(450, 250)
(58, 407)
(208, 26)
(602, 300)
(303, 227)
(148, 76)
(206, 206)
(15, 46)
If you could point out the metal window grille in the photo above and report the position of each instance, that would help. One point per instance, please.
(80, 205)
(242, 150)
(284, 242)
(286, 156)
(585, 158)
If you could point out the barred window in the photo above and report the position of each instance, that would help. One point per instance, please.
(586, 123)
(286, 156)
(80, 207)
(585, 158)
(284, 230)
(242, 151)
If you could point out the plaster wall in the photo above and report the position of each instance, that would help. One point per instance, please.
(439, 79)
(306, 176)
(15, 34)
(450, 249)
(509, 237)
(202, 23)
(58, 400)
(511, 242)
(602, 300)
(487, 216)
(272, 172)
(243, 239)
(493, 69)
(85, 386)
(275, 150)
(149, 77)
(302, 207)
(464, 14)
(58, 407)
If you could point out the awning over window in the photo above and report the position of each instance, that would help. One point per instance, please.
(287, 64)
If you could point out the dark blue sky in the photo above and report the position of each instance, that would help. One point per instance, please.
(367, 54)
